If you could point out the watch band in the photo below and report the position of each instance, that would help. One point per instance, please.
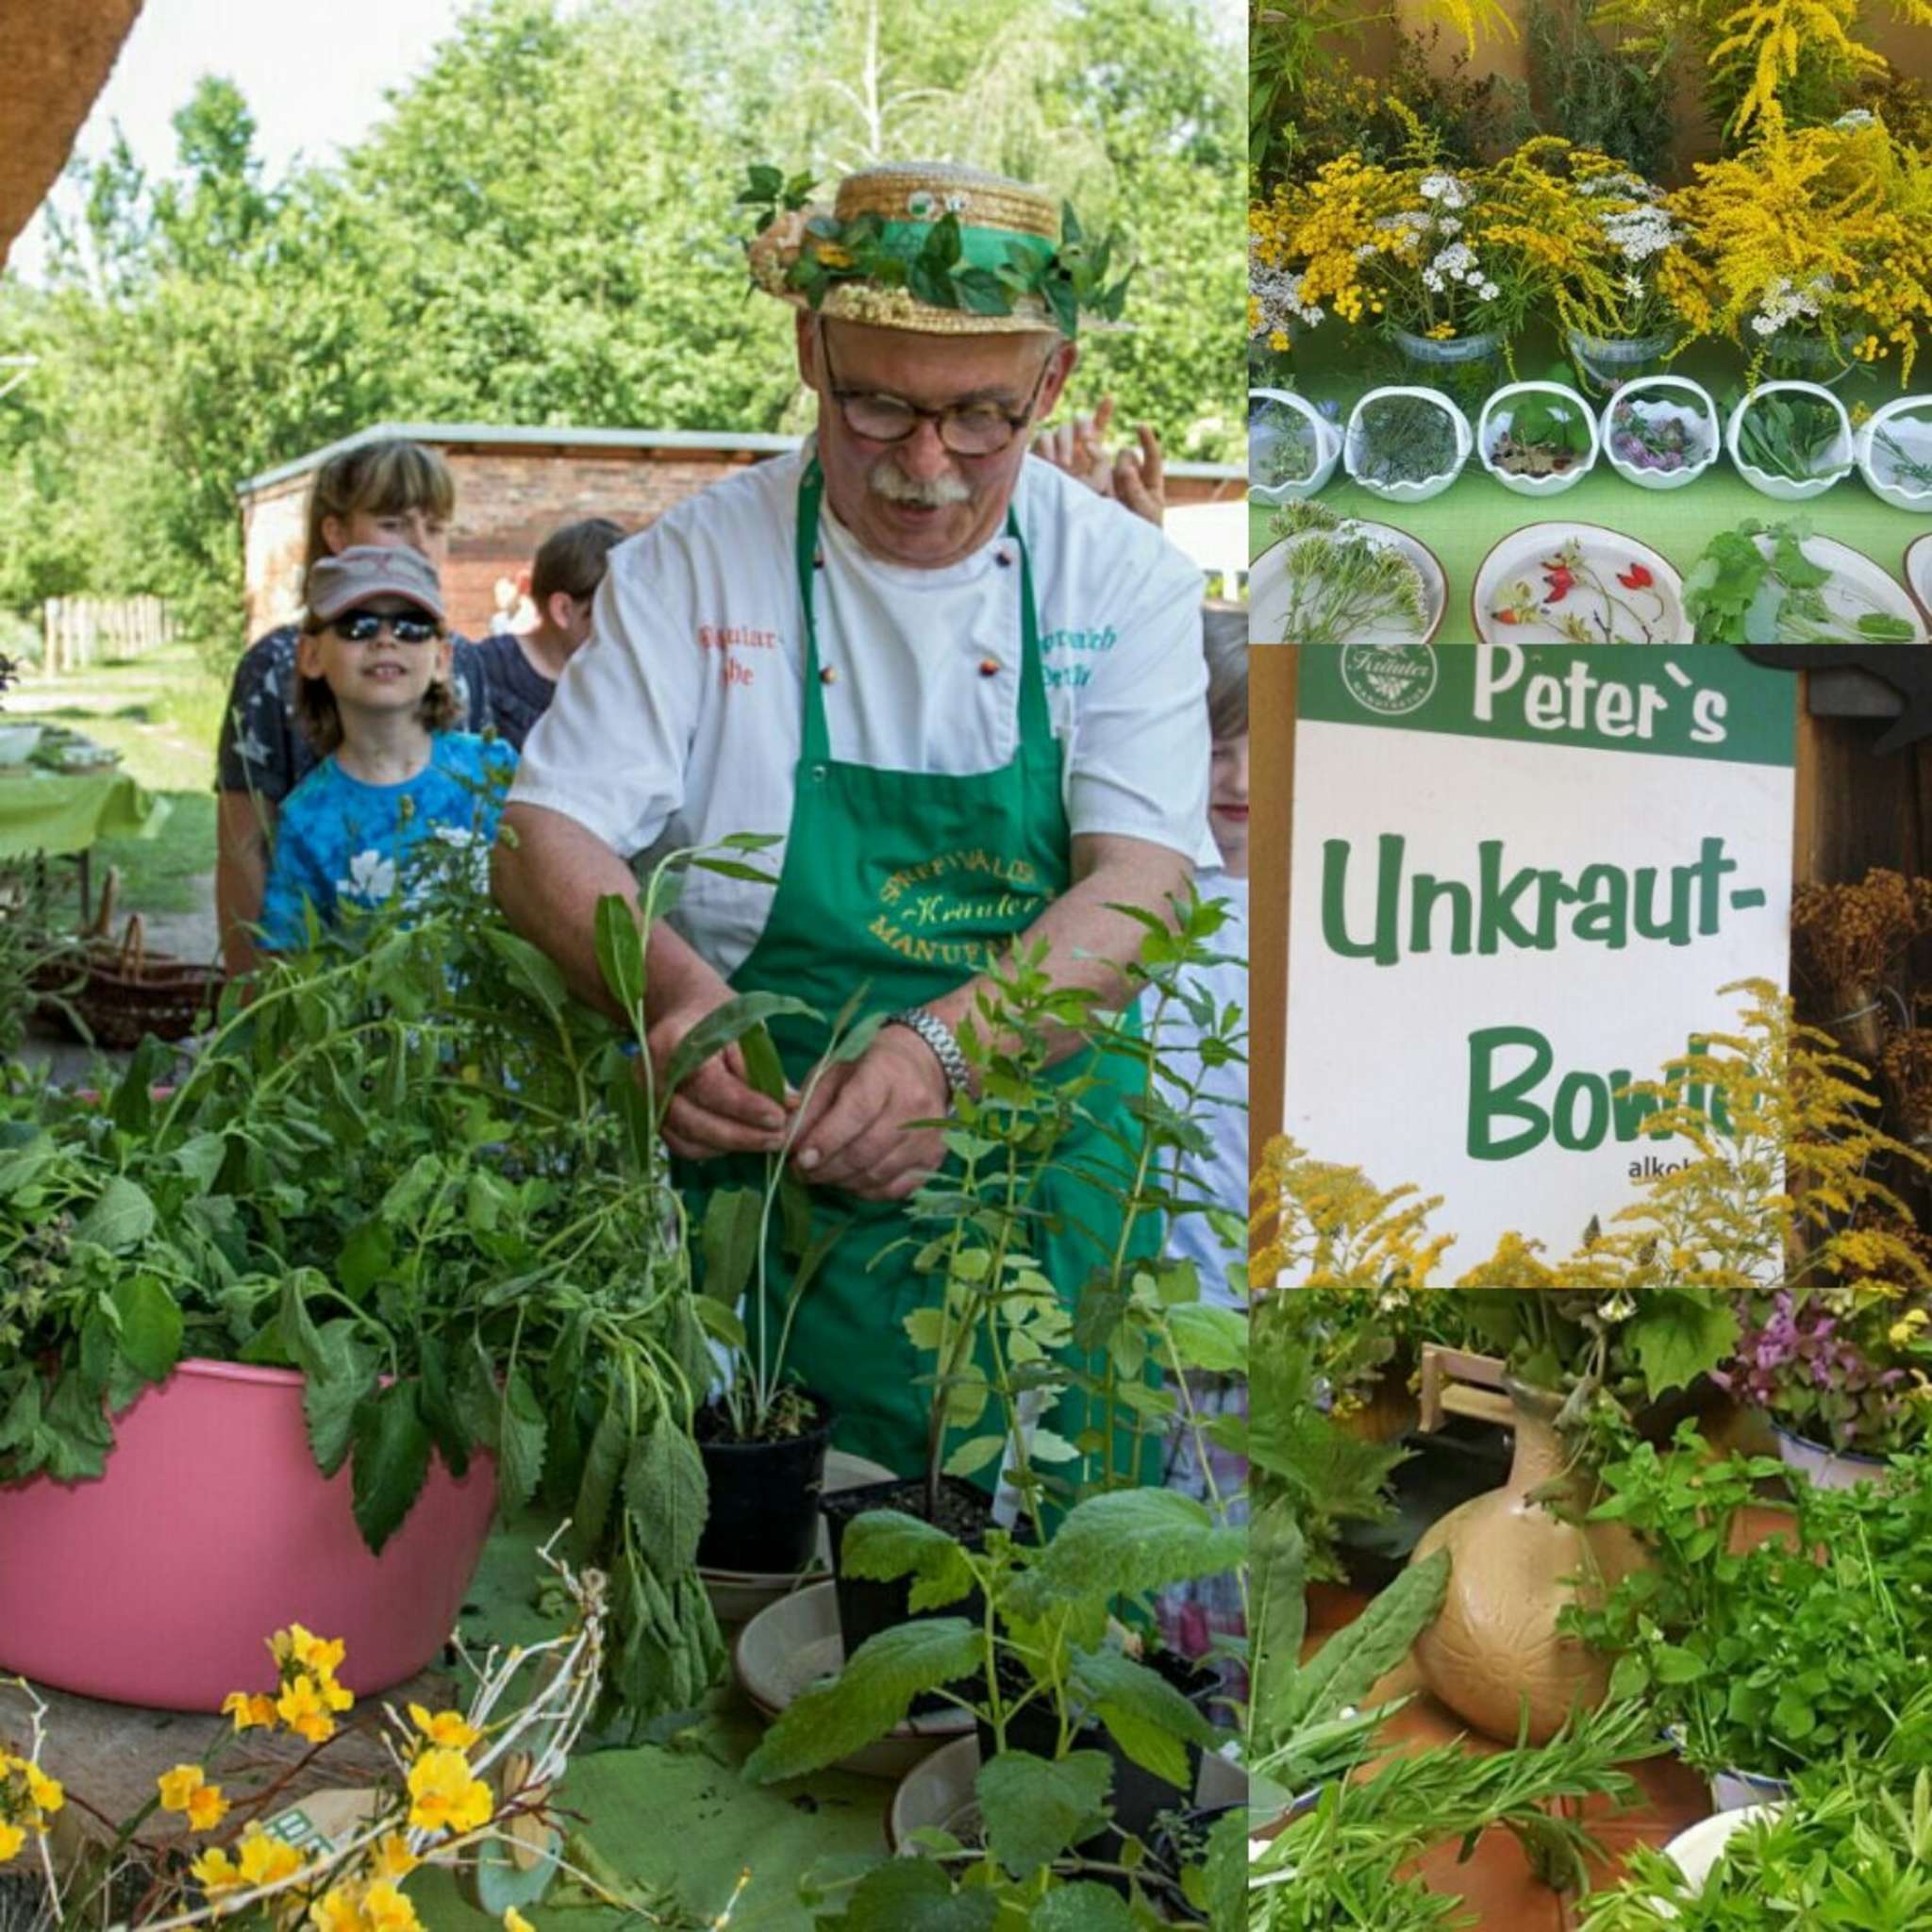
(944, 1045)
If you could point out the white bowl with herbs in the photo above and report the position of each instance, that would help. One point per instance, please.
(1292, 448)
(1405, 444)
(1537, 438)
(1661, 432)
(1790, 441)
(1894, 453)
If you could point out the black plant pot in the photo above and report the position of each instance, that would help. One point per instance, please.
(867, 1606)
(764, 1513)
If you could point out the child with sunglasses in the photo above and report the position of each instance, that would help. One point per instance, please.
(374, 697)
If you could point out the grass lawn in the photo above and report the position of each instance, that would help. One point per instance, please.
(161, 712)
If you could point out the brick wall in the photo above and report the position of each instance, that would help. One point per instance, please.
(509, 499)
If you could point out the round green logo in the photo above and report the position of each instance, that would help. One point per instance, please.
(1389, 679)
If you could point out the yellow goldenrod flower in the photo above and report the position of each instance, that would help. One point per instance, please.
(444, 1727)
(444, 1796)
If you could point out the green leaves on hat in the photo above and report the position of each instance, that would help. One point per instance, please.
(941, 270)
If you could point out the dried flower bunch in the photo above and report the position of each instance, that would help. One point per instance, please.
(1851, 936)
(1907, 1065)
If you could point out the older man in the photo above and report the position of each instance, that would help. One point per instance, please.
(963, 691)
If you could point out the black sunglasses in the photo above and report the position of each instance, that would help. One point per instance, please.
(364, 626)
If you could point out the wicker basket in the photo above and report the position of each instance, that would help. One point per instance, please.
(126, 992)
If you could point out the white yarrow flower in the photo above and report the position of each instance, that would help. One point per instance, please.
(372, 878)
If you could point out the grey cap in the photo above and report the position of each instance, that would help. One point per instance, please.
(367, 571)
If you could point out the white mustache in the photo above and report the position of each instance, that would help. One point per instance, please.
(887, 479)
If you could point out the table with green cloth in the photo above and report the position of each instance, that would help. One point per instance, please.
(675, 1816)
(62, 813)
(1464, 523)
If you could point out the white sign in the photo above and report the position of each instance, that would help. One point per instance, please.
(1520, 875)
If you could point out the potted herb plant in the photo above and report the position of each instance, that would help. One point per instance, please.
(420, 1191)
(1765, 1661)
(1406, 445)
(1841, 1374)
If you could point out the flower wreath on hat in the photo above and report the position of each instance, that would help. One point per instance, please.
(931, 247)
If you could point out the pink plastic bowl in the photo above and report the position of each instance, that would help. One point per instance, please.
(160, 1584)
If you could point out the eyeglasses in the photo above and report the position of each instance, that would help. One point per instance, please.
(365, 627)
(966, 430)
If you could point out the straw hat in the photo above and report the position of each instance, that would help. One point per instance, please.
(1003, 224)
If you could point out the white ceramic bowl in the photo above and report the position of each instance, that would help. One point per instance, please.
(1270, 576)
(1524, 558)
(1695, 1851)
(1429, 485)
(1782, 487)
(936, 1793)
(1327, 448)
(738, 1595)
(1493, 423)
(1913, 434)
(17, 742)
(790, 1645)
(1740, 1790)
(1652, 397)
(1919, 572)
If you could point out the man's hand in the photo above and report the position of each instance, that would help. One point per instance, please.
(854, 1134)
(716, 1109)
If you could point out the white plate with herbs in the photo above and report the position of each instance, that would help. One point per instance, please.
(1919, 572)
(1376, 585)
(1578, 583)
(1779, 584)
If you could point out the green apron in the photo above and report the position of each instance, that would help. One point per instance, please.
(911, 883)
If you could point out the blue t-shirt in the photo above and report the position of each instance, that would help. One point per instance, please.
(341, 844)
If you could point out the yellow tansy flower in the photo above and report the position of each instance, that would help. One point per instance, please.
(444, 1727)
(443, 1794)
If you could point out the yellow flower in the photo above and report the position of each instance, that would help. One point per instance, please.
(216, 1873)
(1905, 1330)
(267, 1860)
(1442, 332)
(385, 1909)
(333, 1694)
(445, 1727)
(179, 1785)
(444, 1796)
(513, 1921)
(300, 1706)
(248, 1711)
(11, 1839)
(301, 1645)
(206, 1808)
(392, 1858)
(339, 1909)
(46, 1792)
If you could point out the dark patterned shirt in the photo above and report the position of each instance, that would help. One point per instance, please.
(516, 693)
(262, 748)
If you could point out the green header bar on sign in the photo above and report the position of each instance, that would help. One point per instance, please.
(1704, 702)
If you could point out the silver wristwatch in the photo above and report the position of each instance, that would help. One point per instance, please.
(946, 1046)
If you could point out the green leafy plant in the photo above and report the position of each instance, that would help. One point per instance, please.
(1043, 1647)
(1851, 1850)
(1342, 584)
(1404, 439)
(1784, 1655)
(1739, 593)
(1601, 95)
(1791, 435)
